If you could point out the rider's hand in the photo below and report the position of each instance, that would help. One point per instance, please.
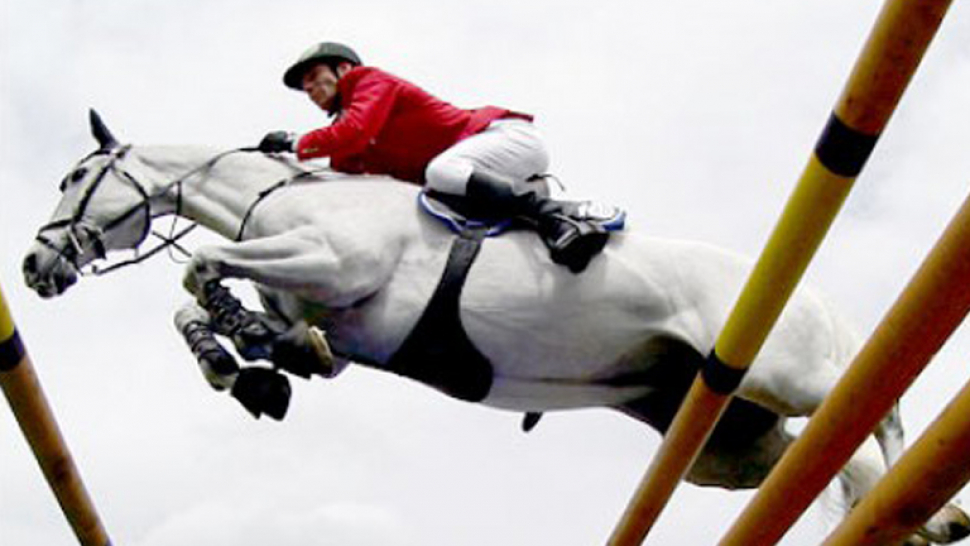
(278, 141)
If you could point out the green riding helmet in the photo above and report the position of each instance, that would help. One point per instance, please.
(322, 52)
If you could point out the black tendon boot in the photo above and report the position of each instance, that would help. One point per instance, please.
(572, 235)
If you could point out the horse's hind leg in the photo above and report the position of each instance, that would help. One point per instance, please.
(301, 349)
(948, 525)
(889, 434)
(742, 449)
(867, 466)
(862, 471)
(870, 462)
(879, 452)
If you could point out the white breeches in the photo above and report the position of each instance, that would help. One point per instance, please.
(512, 148)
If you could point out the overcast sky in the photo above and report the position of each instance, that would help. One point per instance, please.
(697, 116)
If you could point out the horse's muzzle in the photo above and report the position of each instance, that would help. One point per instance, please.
(47, 272)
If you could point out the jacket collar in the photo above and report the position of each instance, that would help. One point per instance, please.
(345, 88)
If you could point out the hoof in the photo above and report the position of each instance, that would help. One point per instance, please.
(949, 525)
(261, 391)
(304, 351)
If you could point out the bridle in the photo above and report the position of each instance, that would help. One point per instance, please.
(78, 229)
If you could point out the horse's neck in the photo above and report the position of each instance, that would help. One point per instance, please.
(218, 188)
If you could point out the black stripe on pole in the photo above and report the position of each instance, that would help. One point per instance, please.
(720, 377)
(11, 352)
(842, 149)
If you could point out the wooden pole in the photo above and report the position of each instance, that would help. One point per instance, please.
(881, 74)
(924, 479)
(23, 391)
(931, 307)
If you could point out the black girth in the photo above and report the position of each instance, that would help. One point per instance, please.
(438, 352)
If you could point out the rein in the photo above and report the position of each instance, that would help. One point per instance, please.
(78, 229)
(264, 194)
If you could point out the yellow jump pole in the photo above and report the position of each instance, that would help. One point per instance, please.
(931, 307)
(23, 391)
(928, 475)
(881, 74)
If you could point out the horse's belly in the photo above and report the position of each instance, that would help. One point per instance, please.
(528, 394)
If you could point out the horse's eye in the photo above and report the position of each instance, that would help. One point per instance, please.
(73, 178)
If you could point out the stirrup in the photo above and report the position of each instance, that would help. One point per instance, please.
(609, 217)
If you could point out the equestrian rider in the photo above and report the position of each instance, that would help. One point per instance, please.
(490, 158)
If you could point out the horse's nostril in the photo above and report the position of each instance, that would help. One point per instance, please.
(30, 263)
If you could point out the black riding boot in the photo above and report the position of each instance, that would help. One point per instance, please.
(572, 238)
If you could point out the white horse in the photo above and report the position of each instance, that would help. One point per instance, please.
(355, 257)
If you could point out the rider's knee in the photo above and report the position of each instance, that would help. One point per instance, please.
(448, 174)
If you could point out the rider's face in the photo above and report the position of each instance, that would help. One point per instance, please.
(320, 84)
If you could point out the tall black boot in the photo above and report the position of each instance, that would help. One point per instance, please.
(572, 239)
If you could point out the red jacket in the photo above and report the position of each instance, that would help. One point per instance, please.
(387, 125)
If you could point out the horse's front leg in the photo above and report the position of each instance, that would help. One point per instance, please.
(259, 390)
(331, 270)
(298, 262)
(218, 366)
(296, 347)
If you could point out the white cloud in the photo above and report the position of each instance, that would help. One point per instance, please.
(338, 524)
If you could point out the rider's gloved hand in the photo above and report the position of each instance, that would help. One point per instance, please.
(278, 141)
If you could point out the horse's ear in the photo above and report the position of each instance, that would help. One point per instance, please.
(100, 131)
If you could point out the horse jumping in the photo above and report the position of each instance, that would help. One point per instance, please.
(356, 258)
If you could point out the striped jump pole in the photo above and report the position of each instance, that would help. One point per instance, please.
(931, 307)
(884, 68)
(925, 478)
(23, 391)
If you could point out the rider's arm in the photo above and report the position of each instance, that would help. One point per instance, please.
(371, 100)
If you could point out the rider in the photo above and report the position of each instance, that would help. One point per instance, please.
(491, 157)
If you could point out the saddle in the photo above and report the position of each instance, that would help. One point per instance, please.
(457, 216)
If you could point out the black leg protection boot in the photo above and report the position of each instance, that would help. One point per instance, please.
(572, 240)
(251, 335)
